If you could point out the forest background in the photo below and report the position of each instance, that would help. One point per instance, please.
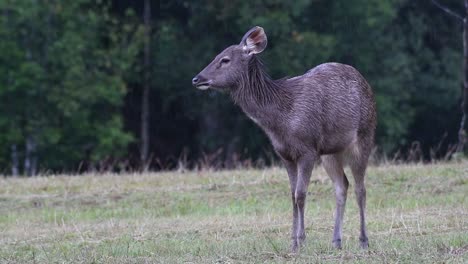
(106, 85)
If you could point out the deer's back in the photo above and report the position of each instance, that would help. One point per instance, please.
(333, 106)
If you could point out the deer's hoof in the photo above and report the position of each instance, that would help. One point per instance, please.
(364, 243)
(301, 240)
(337, 243)
(294, 247)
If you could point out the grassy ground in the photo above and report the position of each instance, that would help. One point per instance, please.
(416, 214)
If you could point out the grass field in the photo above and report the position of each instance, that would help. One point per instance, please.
(416, 214)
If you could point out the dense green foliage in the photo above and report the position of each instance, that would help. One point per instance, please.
(61, 81)
(71, 73)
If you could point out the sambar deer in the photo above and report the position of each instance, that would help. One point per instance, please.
(329, 112)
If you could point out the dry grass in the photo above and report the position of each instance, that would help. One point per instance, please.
(417, 213)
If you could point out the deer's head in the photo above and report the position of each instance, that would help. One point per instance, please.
(232, 64)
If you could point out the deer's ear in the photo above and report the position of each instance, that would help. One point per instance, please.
(254, 41)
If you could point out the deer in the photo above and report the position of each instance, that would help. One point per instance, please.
(328, 113)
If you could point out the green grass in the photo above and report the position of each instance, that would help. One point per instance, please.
(416, 214)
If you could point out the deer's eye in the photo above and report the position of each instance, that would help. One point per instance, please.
(225, 60)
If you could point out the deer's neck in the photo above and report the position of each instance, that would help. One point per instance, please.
(260, 97)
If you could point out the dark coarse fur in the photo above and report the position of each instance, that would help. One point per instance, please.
(329, 112)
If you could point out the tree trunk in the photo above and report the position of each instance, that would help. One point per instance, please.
(144, 148)
(30, 160)
(464, 104)
(14, 161)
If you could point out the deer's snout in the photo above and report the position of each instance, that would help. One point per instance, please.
(195, 80)
(201, 82)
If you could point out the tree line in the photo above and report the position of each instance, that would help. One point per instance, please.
(105, 84)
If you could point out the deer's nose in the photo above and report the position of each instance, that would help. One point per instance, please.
(195, 80)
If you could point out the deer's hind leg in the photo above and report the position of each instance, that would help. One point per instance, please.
(358, 163)
(333, 165)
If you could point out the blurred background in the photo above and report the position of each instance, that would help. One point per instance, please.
(106, 84)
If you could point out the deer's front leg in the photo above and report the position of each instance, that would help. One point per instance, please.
(291, 167)
(304, 171)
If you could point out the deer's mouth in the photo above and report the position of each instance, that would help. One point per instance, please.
(203, 86)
